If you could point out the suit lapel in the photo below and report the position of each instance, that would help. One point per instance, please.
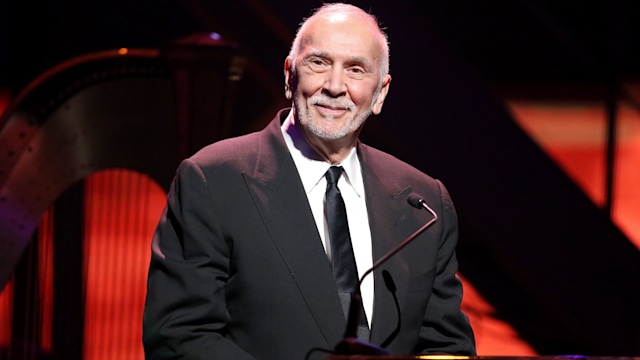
(280, 198)
(388, 209)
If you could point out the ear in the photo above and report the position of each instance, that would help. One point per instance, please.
(288, 77)
(382, 94)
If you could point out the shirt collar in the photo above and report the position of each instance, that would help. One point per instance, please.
(311, 167)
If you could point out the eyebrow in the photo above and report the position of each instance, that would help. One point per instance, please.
(354, 59)
(361, 60)
(319, 53)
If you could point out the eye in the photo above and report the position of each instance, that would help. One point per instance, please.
(317, 64)
(356, 72)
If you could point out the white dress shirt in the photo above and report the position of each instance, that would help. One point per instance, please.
(312, 170)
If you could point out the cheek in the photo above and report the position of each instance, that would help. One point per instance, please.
(309, 85)
(361, 95)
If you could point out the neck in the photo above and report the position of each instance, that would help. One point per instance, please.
(333, 151)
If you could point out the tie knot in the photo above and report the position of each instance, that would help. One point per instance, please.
(333, 174)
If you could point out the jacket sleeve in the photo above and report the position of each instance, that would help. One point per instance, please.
(445, 328)
(185, 313)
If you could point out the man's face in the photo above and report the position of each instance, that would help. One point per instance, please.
(336, 84)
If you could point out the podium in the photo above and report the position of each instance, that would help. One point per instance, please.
(460, 357)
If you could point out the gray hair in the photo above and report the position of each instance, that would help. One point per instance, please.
(344, 8)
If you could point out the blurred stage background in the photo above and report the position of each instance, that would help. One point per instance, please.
(529, 112)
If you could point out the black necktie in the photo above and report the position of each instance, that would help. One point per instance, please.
(342, 258)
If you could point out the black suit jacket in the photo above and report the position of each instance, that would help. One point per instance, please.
(238, 270)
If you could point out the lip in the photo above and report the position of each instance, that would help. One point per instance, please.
(329, 111)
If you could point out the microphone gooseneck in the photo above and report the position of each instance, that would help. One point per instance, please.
(350, 344)
(418, 202)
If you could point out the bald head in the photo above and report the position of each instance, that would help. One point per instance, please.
(339, 12)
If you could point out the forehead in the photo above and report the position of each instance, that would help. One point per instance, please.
(342, 34)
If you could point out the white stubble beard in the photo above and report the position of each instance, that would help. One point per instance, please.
(307, 120)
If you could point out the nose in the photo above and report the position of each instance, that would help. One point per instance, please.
(334, 84)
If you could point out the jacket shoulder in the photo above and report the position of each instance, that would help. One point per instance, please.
(385, 163)
(231, 151)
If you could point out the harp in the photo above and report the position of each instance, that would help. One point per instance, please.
(118, 119)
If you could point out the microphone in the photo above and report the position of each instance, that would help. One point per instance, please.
(350, 344)
(391, 286)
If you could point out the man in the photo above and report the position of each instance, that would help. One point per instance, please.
(243, 254)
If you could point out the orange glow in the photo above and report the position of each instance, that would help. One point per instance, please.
(6, 306)
(122, 209)
(574, 136)
(493, 337)
(45, 249)
(123, 51)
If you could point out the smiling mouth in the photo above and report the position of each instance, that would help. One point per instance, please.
(331, 111)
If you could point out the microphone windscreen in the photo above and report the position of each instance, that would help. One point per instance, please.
(415, 200)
